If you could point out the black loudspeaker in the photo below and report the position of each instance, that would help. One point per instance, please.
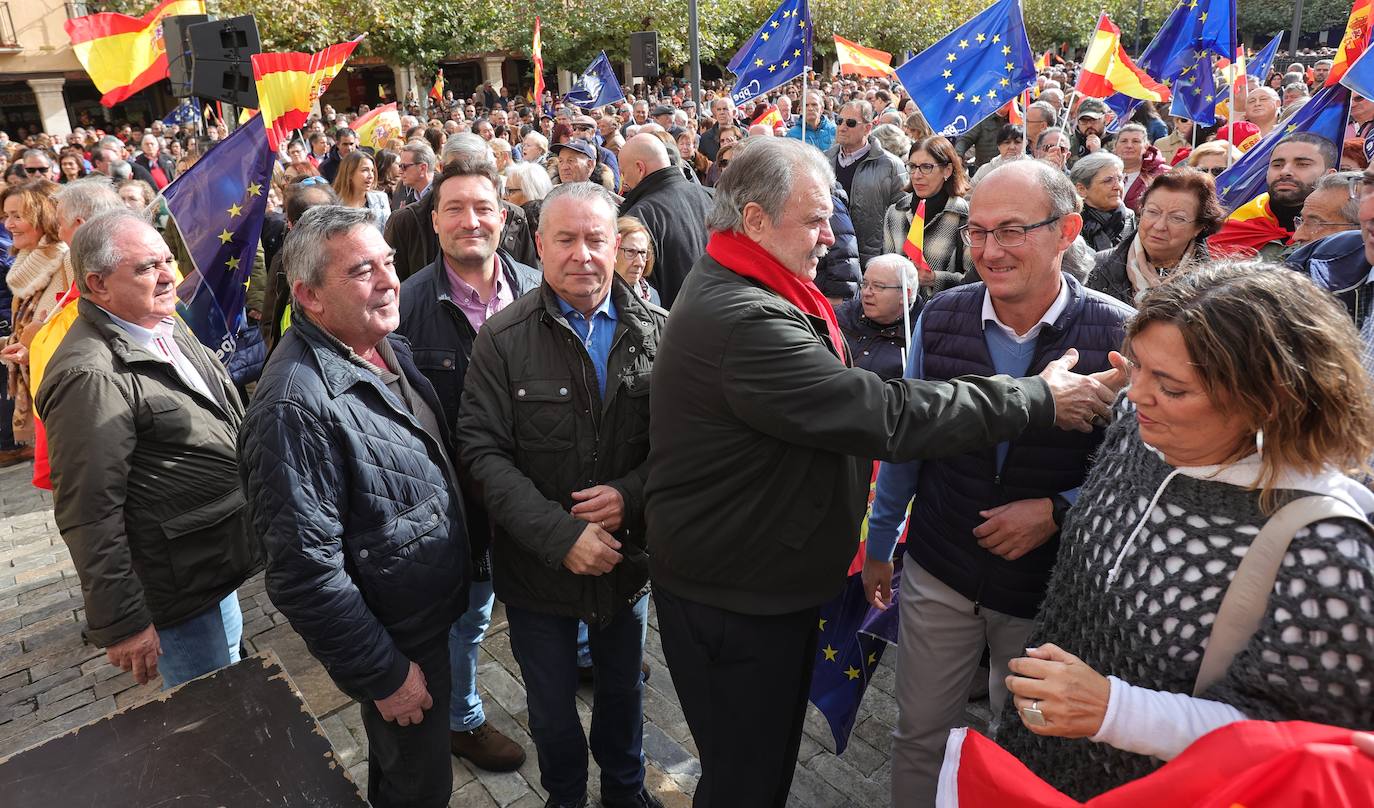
(644, 54)
(221, 69)
(179, 57)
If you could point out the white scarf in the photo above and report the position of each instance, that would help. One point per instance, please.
(33, 270)
(1143, 275)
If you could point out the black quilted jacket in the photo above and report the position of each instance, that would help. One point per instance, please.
(367, 554)
(533, 428)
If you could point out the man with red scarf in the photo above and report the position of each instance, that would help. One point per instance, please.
(761, 443)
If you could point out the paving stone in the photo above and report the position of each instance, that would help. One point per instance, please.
(473, 795)
(57, 726)
(14, 680)
(308, 674)
(65, 690)
(346, 749)
(503, 687)
(668, 753)
(66, 705)
(31, 691)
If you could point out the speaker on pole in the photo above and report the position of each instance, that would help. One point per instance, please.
(644, 54)
(179, 51)
(221, 68)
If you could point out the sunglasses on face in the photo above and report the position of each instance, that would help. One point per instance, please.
(39, 170)
(1215, 171)
(852, 123)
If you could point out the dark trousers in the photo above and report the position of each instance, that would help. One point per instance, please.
(545, 645)
(743, 682)
(6, 409)
(409, 766)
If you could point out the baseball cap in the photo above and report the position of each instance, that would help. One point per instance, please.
(1241, 134)
(1092, 108)
(582, 147)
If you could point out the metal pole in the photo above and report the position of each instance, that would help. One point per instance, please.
(906, 305)
(805, 70)
(1139, 25)
(1296, 31)
(694, 70)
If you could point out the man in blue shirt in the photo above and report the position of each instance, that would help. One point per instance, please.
(984, 525)
(554, 430)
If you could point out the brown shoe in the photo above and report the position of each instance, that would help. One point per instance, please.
(487, 748)
(19, 454)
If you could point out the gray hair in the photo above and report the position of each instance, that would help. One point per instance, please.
(1138, 129)
(1267, 92)
(764, 171)
(1059, 192)
(304, 251)
(1088, 167)
(723, 99)
(865, 109)
(1079, 260)
(893, 140)
(901, 265)
(466, 143)
(93, 248)
(538, 138)
(1342, 181)
(85, 198)
(121, 170)
(1046, 111)
(533, 178)
(1297, 87)
(581, 192)
(47, 157)
(421, 151)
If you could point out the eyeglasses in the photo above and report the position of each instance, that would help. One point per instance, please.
(404, 166)
(723, 162)
(1012, 235)
(510, 190)
(877, 287)
(1057, 148)
(31, 170)
(631, 254)
(852, 122)
(1172, 219)
(922, 168)
(1215, 171)
(1113, 180)
(1362, 186)
(1312, 221)
(582, 127)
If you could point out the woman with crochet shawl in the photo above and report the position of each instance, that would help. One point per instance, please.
(41, 273)
(1246, 393)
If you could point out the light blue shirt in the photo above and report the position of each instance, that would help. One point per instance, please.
(596, 334)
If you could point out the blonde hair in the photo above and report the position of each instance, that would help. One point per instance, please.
(1271, 345)
(39, 207)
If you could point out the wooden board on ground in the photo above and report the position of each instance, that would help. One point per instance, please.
(241, 736)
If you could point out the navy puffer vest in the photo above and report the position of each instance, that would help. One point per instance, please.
(1041, 463)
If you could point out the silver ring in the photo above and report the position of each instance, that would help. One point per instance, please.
(1032, 716)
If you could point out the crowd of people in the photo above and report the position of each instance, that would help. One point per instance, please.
(581, 359)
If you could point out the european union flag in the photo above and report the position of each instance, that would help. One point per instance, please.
(1360, 76)
(597, 86)
(186, 113)
(1194, 28)
(779, 51)
(974, 71)
(1257, 67)
(218, 206)
(852, 638)
(1195, 93)
(1325, 114)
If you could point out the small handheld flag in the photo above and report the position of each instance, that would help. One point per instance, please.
(915, 243)
(770, 117)
(436, 93)
(1355, 41)
(378, 126)
(597, 86)
(1107, 68)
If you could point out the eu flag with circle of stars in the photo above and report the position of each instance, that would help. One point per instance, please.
(1195, 93)
(777, 53)
(1192, 30)
(974, 71)
(218, 206)
(851, 640)
(1325, 115)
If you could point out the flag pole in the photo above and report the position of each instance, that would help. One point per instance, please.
(805, 69)
(906, 309)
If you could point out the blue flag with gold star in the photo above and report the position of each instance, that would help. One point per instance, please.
(597, 86)
(777, 52)
(1195, 93)
(218, 206)
(974, 71)
(1325, 115)
(850, 643)
(1193, 29)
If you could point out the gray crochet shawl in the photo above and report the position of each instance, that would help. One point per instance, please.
(1312, 658)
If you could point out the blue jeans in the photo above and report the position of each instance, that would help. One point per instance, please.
(207, 642)
(545, 645)
(584, 651)
(464, 640)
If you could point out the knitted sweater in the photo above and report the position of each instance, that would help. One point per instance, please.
(1312, 658)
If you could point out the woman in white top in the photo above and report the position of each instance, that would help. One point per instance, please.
(356, 185)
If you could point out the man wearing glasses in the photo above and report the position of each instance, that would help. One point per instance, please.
(1331, 208)
(985, 524)
(1341, 263)
(1264, 226)
(417, 169)
(37, 164)
(873, 179)
(1052, 146)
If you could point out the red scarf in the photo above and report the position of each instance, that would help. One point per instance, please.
(743, 256)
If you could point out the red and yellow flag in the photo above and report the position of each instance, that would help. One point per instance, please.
(855, 58)
(437, 91)
(538, 58)
(770, 117)
(125, 54)
(289, 83)
(1354, 42)
(378, 126)
(916, 238)
(1107, 69)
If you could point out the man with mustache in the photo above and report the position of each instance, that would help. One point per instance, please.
(442, 308)
(761, 435)
(1264, 226)
(350, 467)
(141, 422)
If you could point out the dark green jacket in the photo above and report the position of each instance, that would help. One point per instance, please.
(533, 428)
(145, 480)
(762, 445)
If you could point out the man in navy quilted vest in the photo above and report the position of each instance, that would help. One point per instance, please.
(984, 525)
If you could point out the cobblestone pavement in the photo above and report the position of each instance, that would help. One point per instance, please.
(51, 681)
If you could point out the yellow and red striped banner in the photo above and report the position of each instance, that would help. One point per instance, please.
(1356, 39)
(289, 83)
(916, 237)
(855, 58)
(378, 126)
(1107, 69)
(538, 58)
(124, 54)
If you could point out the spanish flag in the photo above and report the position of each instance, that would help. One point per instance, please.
(1107, 69)
(855, 58)
(770, 117)
(437, 91)
(916, 238)
(289, 83)
(1354, 42)
(378, 126)
(1249, 229)
(124, 54)
(537, 57)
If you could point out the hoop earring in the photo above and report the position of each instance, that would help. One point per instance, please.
(1259, 442)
